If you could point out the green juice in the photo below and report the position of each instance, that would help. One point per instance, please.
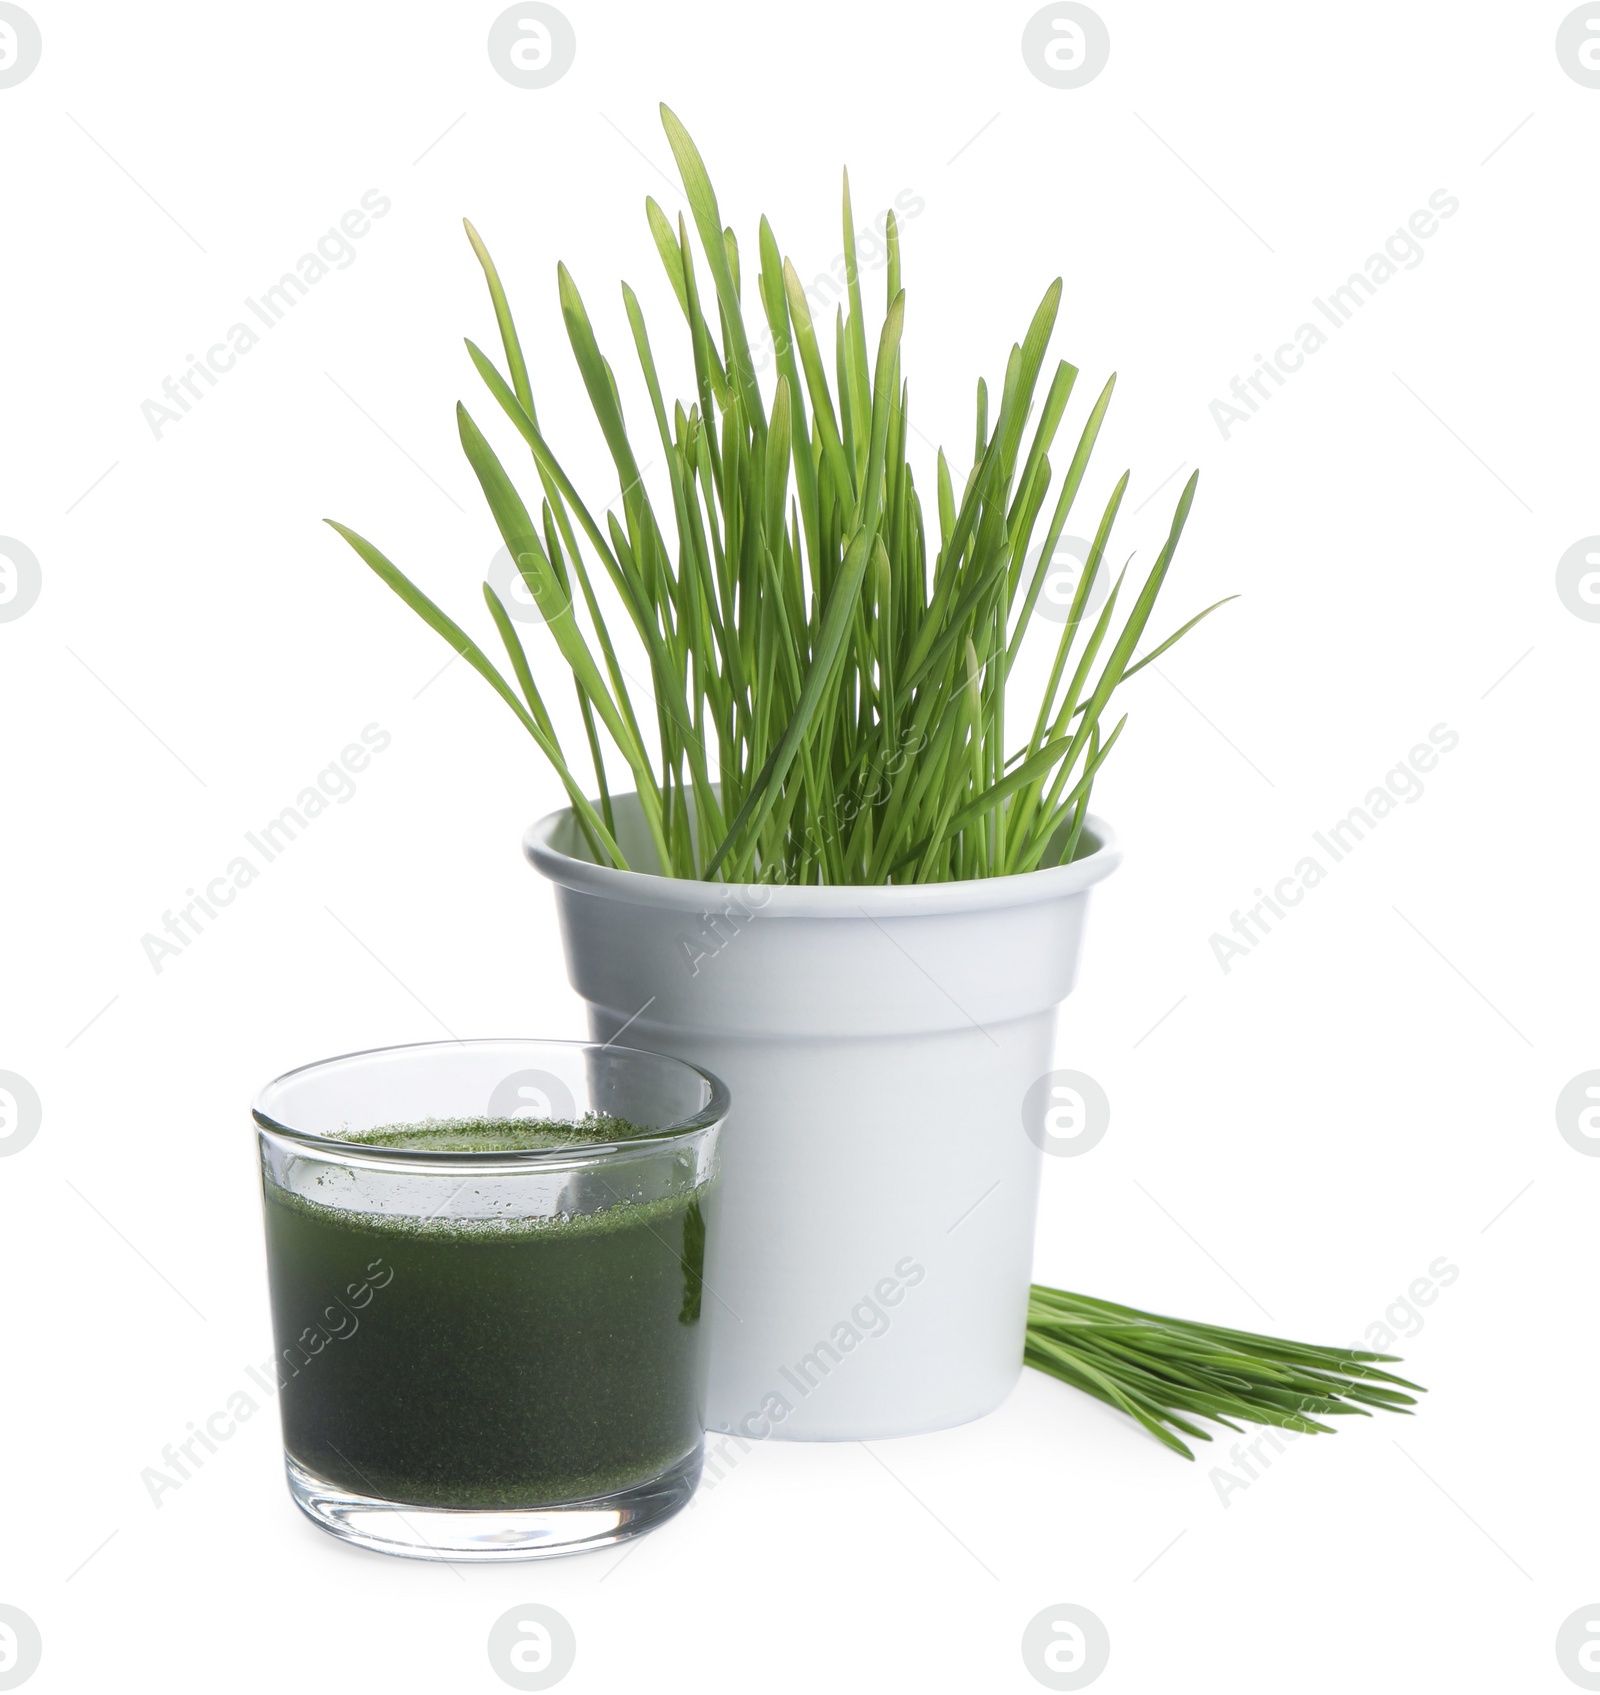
(488, 1363)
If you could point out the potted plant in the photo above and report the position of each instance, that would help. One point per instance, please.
(811, 854)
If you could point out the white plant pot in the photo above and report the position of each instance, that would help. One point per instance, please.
(875, 1243)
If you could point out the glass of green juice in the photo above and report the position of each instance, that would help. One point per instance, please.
(486, 1264)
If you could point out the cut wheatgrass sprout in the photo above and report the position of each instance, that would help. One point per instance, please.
(1158, 1369)
(830, 665)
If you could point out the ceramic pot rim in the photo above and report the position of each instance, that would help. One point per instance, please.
(899, 900)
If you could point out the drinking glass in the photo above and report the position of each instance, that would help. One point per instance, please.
(494, 1352)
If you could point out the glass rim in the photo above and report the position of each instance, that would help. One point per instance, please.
(685, 1129)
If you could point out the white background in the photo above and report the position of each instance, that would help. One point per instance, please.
(1293, 1142)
